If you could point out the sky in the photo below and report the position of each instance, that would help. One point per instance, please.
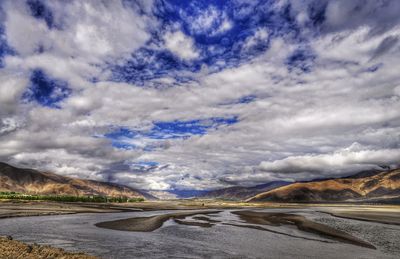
(198, 95)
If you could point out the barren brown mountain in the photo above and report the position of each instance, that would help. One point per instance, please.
(35, 182)
(367, 186)
(240, 192)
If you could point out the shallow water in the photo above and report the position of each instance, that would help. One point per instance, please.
(78, 233)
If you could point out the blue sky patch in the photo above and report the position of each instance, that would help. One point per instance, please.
(247, 99)
(301, 59)
(317, 12)
(45, 90)
(120, 138)
(242, 100)
(125, 138)
(374, 68)
(147, 64)
(39, 10)
(187, 193)
(183, 129)
(143, 166)
(220, 31)
(4, 48)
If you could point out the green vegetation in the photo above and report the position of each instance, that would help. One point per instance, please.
(66, 198)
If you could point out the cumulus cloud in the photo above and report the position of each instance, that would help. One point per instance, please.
(379, 15)
(12, 86)
(89, 30)
(181, 45)
(8, 125)
(342, 161)
(82, 37)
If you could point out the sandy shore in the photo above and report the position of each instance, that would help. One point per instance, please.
(193, 223)
(17, 250)
(36, 208)
(381, 216)
(278, 219)
(148, 224)
(13, 208)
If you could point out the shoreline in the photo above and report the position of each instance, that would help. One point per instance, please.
(11, 248)
(382, 218)
(38, 208)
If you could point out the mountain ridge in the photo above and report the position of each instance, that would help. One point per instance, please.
(30, 181)
(361, 187)
(241, 192)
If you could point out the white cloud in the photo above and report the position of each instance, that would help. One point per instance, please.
(260, 36)
(210, 21)
(340, 162)
(87, 35)
(9, 124)
(224, 26)
(88, 30)
(24, 39)
(181, 45)
(11, 88)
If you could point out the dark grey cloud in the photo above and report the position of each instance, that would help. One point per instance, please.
(386, 45)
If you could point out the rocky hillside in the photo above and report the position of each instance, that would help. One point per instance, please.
(240, 192)
(366, 186)
(30, 181)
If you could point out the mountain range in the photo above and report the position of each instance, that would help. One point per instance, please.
(367, 186)
(29, 181)
(380, 186)
(240, 192)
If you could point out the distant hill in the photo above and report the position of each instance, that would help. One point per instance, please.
(367, 186)
(163, 195)
(177, 194)
(187, 194)
(29, 181)
(240, 192)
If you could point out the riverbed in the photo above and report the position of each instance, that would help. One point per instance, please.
(77, 232)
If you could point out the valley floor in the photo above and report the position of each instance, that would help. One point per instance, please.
(343, 217)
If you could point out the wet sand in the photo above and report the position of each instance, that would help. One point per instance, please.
(17, 250)
(203, 218)
(273, 231)
(278, 219)
(193, 223)
(14, 208)
(148, 224)
(392, 218)
(374, 213)
(38, 208)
